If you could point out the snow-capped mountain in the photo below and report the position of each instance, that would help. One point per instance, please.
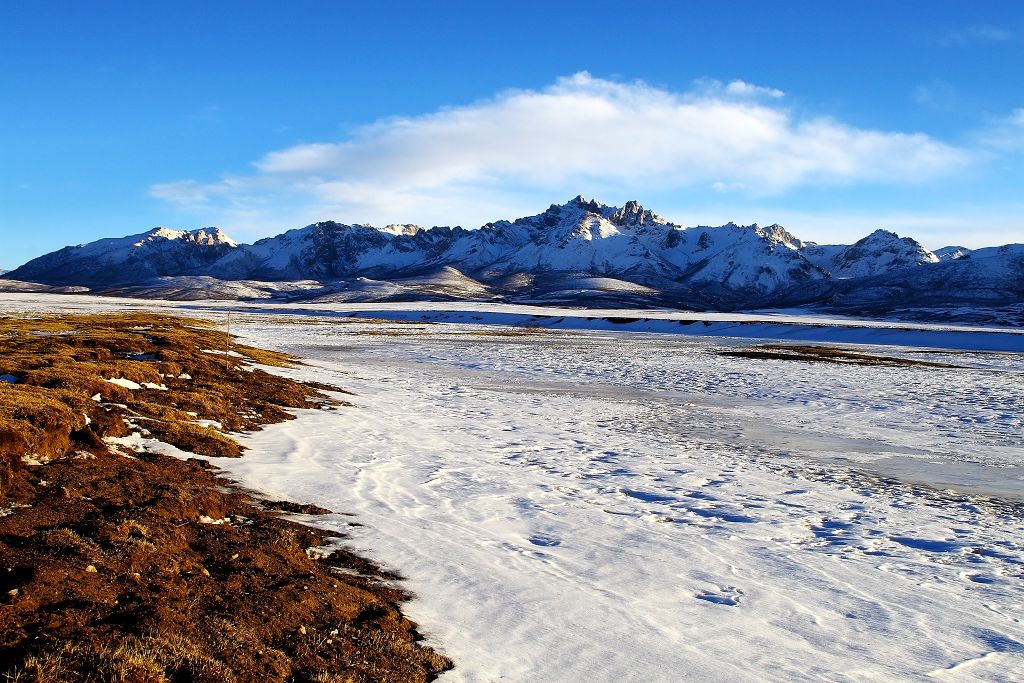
(992, 277)
(578, 239)
(330, 250)
(131, 259)
(879, 252)
(951, 253)
(580, 252)
(633, 244)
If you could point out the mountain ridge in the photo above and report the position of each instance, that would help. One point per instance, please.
(578, 251)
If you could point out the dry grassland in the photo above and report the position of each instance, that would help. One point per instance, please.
(136, 567)
(827, 354)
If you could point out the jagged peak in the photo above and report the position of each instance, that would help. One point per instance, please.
(206, 236)
(165, 233)
(882, 233)
(777, 233)
(325, 225)
(211, 235)
(632, 213)
(401, 229)
(593, 205)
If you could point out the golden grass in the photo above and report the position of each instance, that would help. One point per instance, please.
(61, 362)
(107, 574)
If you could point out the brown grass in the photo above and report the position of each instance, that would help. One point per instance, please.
(106, 571)
(827, 354)
(61, 362)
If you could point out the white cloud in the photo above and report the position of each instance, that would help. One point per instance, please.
(744, 89)
(181, 192)
(712, 88)
(719, 186)
(580, 134)
(983, 33)
(1004, 135)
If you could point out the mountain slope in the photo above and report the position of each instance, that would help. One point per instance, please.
(985, 286)
(879, 252)
(951, 252)
(131, 259)
(993, 275)
(330, 250)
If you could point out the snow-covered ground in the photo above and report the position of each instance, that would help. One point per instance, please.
(576, 505)
(608, 506)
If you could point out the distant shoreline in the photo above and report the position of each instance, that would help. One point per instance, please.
(780, 325)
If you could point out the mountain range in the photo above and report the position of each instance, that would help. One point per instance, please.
(579, 253)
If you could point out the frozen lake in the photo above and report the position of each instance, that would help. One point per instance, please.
(613, 506)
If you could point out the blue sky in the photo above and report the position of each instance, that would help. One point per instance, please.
(832, 118)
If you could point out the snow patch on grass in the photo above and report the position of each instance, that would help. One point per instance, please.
(126, 383)
(206, 519)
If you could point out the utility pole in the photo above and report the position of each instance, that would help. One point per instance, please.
(227, 340)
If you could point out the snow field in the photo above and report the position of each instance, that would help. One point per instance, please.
(605, 507)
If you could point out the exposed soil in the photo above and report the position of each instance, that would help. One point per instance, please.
(827, 354)
(118, 565)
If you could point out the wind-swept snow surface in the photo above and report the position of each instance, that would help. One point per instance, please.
(602, 506)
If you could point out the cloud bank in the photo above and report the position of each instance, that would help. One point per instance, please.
(580, 132)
